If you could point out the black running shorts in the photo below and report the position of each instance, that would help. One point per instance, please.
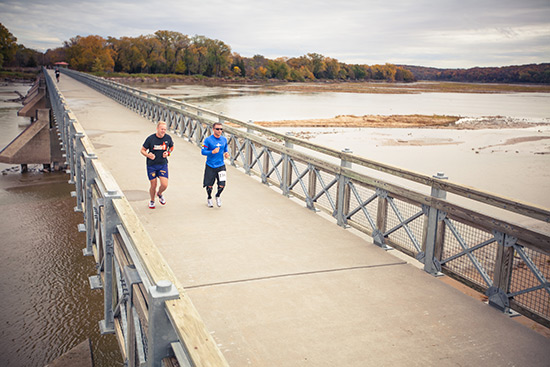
(213, 174)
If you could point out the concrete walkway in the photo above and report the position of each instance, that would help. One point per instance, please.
(279, 285)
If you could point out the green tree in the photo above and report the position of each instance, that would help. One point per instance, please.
(318, 64)
(8, 46)
(27, 58)
(278, 69)
(174, 45)
(127, 56)
(152, 52)
(332, 69)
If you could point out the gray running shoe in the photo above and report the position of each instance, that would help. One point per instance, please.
(218, 201)
(210, 203)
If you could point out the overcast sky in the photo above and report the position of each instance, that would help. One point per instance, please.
(437, 33)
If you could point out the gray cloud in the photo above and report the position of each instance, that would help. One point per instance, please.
(444, 33)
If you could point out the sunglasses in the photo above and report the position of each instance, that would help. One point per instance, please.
(218, 128)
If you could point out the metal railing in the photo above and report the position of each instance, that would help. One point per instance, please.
(510, 263)
(144, 304)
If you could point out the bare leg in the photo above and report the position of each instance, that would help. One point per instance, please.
(163, 185)
(153, 189)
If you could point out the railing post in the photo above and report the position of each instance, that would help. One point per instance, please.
(381, 217)
(70, 154)
(110, 222)
(132, 277)
(198, 130)
(89, 226)
(502, 278)
(233, 150)
(343, 192)
(79, 149)
(434, 230)
(287, 168)
(265, 167)
(248, 154)
(311, 187)
(381, 220)
(160, 333)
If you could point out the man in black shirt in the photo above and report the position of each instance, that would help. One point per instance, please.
(156, 148)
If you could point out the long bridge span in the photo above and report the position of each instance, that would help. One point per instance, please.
(294, 268)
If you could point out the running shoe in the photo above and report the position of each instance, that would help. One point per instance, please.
(218, 201)
(210, 203)
(151, 205)
(162, 200)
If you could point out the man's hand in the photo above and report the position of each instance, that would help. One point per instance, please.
(151, 155)
(215, 151)
(226, 155)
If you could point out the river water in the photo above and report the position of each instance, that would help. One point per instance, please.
(46, 304)
(258, 104)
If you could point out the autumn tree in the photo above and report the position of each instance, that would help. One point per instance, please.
(89, 54)
(195, 56)
(238, 62)
(127, 56)
(174, 45)
(256, 66)
(55, 55)
(332, 68)
(318, 65)
(278, 69)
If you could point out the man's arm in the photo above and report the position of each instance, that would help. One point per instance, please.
(147, 154)
(204, 150)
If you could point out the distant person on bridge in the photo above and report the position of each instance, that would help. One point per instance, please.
(156, 148)
(215, 149)
(57, 74)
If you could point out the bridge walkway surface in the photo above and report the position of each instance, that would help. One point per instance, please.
(279, 285)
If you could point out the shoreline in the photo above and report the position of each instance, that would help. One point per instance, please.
(320, 86)
(407, 121)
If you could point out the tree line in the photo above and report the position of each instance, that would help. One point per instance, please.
(168, 52)
(532, 73)
(13, 54)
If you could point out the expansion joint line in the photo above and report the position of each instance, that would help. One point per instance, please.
(294, 274)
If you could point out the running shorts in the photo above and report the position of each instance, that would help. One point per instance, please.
(157, 170)
(213, 174)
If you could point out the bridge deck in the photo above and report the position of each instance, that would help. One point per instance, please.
(279, 285)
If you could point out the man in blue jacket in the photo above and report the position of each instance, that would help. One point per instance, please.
(215, 149)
